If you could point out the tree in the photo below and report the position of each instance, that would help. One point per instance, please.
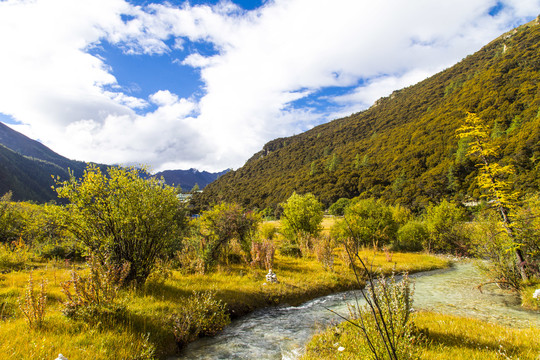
(368, 221)
(443, 225)
(222, 224)
(338, 208)
(494, 180)
(121, 217)
(301, 214)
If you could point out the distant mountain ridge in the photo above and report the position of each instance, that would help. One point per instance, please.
(188, 178)
(27, 168)
(404, 148)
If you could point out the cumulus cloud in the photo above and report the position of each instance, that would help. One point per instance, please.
(263, 64)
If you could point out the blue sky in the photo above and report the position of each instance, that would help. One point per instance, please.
(205, 84)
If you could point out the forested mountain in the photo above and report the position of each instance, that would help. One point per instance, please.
(404, 149)
(26, 167)
(188, 178)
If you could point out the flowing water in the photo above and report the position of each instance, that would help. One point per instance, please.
(281, 332)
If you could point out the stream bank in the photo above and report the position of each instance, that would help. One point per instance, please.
(281, 332)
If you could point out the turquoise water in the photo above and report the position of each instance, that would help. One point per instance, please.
(281, 332)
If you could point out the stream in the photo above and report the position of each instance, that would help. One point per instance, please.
(281, 332)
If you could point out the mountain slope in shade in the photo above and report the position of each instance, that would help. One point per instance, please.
(188, 178)
(404, 149)
(27, 167)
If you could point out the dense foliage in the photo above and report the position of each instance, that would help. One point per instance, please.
(404, 149)
(301, 214)
(123, 217)
(222, 227)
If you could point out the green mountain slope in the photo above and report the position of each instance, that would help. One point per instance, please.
(27, 166)
(404, 148)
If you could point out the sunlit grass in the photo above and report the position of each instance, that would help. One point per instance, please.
(439, 336)
(148, 309)
(527, 299)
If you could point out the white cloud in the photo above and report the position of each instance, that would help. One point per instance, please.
(263, 61)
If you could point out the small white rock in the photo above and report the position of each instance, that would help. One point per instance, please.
(341, 348)
(61, 357)
(536, 294)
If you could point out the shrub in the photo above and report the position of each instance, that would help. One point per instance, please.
(443, 223)
(324, 252)
(369, 222)
(338, 208)
(220, 227)
(267, 231)
(94, 297)
(290, 248)
(201, 315)
(385, 321)
(491, 241)
(123, 216)
(411, 236)
(400, 214)
(301, 214)
(33, 303)
(10, 219)
(262, 254)
(14, 256)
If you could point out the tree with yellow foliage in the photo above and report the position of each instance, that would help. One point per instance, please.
(493, 178)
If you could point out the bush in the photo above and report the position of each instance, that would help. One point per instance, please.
(123, 216)
(411, 236)
(323, 248)
(10, 220)
(201, 315)
(338, 208)
(14, 256)
(369, 222)
(443, 222)
(44, 229)
(301, 214)
(223, 226)
(491, 241)
(262, 254)
(33, 303)
(94, 297)
(290, 248)
(385, 322)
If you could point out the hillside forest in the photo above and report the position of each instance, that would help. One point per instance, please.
(403, 149)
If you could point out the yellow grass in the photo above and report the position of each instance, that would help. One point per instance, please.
(441, 337)
(148, 309)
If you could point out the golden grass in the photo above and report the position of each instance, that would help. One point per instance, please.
(148, 309)
(443, 337)
(527, 299)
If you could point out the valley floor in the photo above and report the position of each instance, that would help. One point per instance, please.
(144, 331)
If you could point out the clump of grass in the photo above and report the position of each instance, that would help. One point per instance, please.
(436, 336)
